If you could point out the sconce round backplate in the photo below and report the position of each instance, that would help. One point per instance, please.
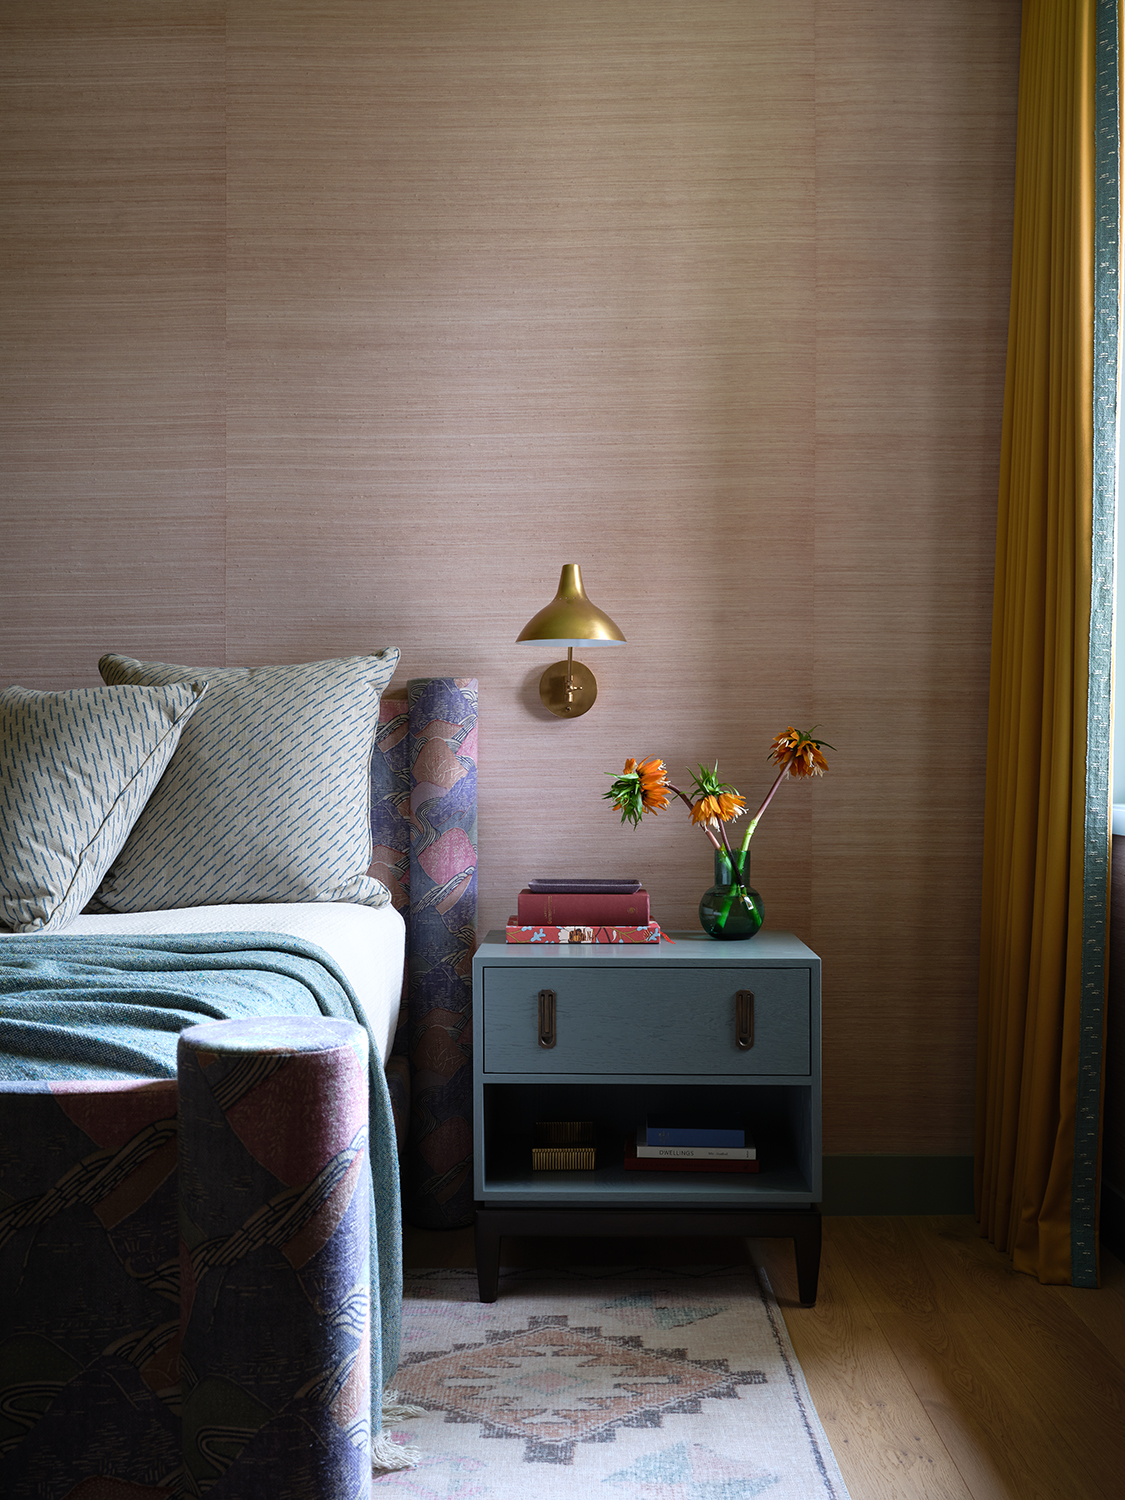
(552, 690)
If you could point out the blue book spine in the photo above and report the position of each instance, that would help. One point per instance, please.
(693, 1135)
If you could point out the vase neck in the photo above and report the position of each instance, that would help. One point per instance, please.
(729, 871)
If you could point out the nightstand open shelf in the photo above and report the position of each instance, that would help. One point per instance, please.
(777, 1115)
(694, 1027)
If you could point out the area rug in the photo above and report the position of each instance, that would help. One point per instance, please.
(623, 1383)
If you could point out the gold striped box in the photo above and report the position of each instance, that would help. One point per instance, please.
(564, 1146)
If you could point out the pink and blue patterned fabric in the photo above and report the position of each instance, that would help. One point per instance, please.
(89, 1265)
(89, 1228)
(274, 1190)
(390, 864)
(424, 830)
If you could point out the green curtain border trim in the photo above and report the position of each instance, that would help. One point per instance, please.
(1084, 1182)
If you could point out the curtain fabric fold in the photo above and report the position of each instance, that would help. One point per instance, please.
(1037, 1041)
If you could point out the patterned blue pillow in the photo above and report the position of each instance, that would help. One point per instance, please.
(267, 797)
(76, 768)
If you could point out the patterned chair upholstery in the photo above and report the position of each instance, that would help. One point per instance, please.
(424, 829)
(191, 1257)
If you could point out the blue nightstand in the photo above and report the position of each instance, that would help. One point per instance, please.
(610, 1033)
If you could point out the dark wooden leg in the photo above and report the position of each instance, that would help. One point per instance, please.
(806, 1244)
(487, 1243)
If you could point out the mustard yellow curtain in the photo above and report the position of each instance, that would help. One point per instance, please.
(1034, 1038)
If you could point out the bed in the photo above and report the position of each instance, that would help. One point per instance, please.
(340, 939)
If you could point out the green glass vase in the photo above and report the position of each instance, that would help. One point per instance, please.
(731, 909)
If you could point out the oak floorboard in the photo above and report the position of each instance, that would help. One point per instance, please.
(1069, 1381)
(980, 1400)
(885, 1441)
(1103, 1310)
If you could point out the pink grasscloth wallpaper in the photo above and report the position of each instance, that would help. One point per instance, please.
(333, 324)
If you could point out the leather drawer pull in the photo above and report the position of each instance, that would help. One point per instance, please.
(744, 1019)
(547, 1037)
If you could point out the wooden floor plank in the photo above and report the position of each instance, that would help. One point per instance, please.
(1102, 1310)
(982, 1406)
(1052, 1370)
(884, 1440)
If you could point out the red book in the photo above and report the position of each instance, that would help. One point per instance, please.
(571, 909)
(635, 1163)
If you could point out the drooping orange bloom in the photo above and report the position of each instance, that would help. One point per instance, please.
(641, 788)
(654, 789)
(797, 751)
(720, 807)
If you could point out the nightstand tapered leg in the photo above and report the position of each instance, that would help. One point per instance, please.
(487, 1244)
(806, 1244)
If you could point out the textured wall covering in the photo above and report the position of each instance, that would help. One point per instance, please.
(340, 324)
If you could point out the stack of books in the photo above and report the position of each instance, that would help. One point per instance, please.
(583, 911)
(662, 1145)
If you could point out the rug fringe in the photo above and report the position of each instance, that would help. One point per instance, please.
(387, 1454)
(397, 1409)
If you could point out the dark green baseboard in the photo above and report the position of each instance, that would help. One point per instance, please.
(1112, 1222)
(898, 1185)
(932, 1185)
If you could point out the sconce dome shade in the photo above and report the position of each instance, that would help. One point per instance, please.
(570, 619)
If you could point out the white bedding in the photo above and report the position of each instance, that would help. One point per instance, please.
(369, 943)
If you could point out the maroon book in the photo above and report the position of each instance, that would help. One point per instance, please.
(635, 1163)
(570, 909)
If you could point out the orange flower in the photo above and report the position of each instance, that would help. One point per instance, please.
(796, 751)
(655, 792)
(641, 788)
(718, 807)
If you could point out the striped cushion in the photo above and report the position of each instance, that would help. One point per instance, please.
(76, 768)
(267, 797)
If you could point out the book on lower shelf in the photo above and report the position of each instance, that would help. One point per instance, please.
(545, 932)
(634, 1163)
(663, 1130)
(647, 1147)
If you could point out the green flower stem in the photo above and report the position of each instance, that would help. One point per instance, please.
(753, 823)
(722, 848)
(736, 882)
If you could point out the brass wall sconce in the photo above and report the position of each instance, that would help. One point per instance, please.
(568, 688)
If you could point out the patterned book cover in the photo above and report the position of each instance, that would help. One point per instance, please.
(545, 933)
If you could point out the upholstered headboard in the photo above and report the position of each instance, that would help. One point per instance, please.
(424, 831)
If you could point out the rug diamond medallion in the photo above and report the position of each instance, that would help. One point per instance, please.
(554, 1386)
(621, 1383)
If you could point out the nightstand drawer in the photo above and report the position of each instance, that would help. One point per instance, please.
(646, 1020)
